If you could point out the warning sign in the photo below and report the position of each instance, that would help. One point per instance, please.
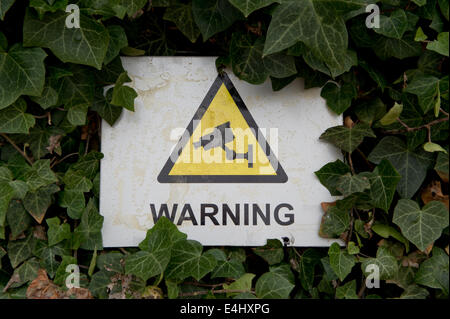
(222, 144)
(228, 162)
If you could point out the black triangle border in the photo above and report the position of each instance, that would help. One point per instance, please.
(164, 176)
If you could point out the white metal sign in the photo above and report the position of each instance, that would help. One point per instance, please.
(229, 162)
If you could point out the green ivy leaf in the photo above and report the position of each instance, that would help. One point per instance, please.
(433, 147)
(272, 252)
(440, 45)
(248, 6)
(188, 261)
(118, 40)
(280, 65)
(340, 261)
(6, 194)
(339, 98)
(40, 174)
(4, 6)
(246, 59)
(21, 72)
(111, 262)
(89, 230)
(349, 184)
(393, 26)
(421, 226)
(85, 45)
(18, 218)
(99, 284)
(347, 291)
(386, 262)
(164, 225)
(74, 201)
(110, 113)
(242, 283)
(330, 173)
(307, 264)
(273, 285)
(426, 88)
(226, 268)
(392, 115)
(13, 119)
(37, 202)
(383, 182)
(20, 250)
(441, 166)
(434, 272)
(398, 48)
(213, 16)
(414, 292)
(348, 139)
(334, 222)
(411, 165)
(181, 15)
(56, 232)
(123, 95)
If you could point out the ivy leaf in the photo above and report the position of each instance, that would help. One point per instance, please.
(386, 262)
(273, 285)
(392, 115)
(89, 230)
(123, 95)
(334, 222)
(89, 164)
(37, 202)
(118, 40)
(421, 226)
(440, 45)
(441, 166)
(308, 261)
(21, 72)
(280, 65)
(411, 165)
(164, 225)
(56, 232)
(272, 252)
(85, 45)
(227, 268)
(393, 26)
(433, 147)
(330, 173)
(4, 6)
(77, 88)
(349, 184)
(20, 250)
(246, 59)
(339, 98)
(426, 89)
(181, 15)
(346, 138)
(347, 291)
(213, 16)
(188, 261)
(40, 174)
(383, 182)
(13, 119)
(99, 284)
(387, 231)
(26, 272)
(434, 272)
(132, 6)
(443, 4)
(414, 292)
(6, 194)
(110, 113)
(248, 6)
(314, 23)
(340, 261)
(152, 261)
(18, 218)
(74, 201)
(370, 111)
(75, 180)
(398, 48)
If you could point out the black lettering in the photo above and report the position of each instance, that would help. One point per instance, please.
(187, 208)
(163, 209)
(246, 214)
(226, 211)
(258, 212)
(204, 214)
(290, 217)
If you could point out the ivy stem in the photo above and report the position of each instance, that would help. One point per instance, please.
(6, 137)
(413, 129)
(62, 159)
(350, 161)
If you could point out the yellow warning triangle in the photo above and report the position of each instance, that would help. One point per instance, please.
(222, 144)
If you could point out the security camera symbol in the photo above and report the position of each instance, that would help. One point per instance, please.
(221, 135)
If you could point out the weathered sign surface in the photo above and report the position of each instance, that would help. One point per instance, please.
(229, 162)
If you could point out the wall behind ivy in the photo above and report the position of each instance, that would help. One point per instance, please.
(388, 82)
